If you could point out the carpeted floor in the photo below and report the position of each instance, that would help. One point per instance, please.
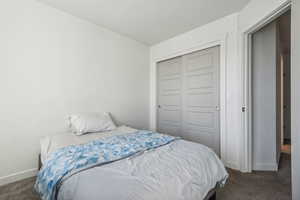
(254, 186)
(260, 185)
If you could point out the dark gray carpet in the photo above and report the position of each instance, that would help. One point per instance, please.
(254, 186)
(259, 185)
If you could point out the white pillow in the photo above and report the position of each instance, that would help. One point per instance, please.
(90, 122)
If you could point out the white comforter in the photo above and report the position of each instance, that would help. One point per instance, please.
(181, 170)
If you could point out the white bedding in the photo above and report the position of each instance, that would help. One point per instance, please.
(50, 144)
(181, 170)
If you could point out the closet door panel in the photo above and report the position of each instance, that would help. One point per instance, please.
(200, 100)
(169, 111)
(201, 97)
(204, 119)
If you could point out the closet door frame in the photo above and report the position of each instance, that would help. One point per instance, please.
(222, 88)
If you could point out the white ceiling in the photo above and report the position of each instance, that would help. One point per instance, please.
(149, 21)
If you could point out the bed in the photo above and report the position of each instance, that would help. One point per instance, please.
(175, 170)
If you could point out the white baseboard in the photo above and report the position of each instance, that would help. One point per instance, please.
(18, 176)
(231, 165)
(265, 166)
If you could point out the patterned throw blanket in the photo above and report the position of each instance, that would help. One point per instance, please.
(68, 160)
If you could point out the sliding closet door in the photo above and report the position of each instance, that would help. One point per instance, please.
(201, 98)
(169, 110)
(188, 97)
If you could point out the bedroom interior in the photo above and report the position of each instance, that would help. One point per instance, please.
(168, 99)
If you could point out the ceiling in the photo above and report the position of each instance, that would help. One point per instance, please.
(149, 21)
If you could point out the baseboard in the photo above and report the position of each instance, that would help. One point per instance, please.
(265, 167)
(231, 165)
(18, 176)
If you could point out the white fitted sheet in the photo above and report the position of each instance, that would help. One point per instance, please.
(50, 144)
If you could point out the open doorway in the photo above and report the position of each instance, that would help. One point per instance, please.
(271, 114)
(284, 64)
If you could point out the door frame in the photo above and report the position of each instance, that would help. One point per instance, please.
(222, 87)
(247, 158)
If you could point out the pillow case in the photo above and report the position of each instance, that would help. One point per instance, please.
(90, 122)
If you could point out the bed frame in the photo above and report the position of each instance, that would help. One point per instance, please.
(40, 162)
(210, 196)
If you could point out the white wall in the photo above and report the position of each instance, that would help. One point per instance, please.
(255, 10)
(223, 29)
(53, 64)
(295, 99)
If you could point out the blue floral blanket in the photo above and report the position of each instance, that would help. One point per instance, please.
(72, 159)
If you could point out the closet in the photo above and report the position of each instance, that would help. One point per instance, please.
(188, 97)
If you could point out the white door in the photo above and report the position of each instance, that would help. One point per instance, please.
(169, 96)
(188, 97)
(264, 99)
(201, 98)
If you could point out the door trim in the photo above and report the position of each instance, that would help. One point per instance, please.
(246, 149)
(223, 86)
